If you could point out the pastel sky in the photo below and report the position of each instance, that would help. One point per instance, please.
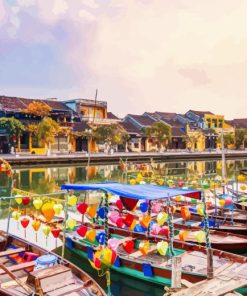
(142, 55)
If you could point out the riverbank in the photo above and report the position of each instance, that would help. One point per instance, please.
(100, 158)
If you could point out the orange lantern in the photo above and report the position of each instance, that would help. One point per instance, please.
(144, 247)
(185, 213)
(48, 211)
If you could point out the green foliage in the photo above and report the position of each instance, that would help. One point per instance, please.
(160, 132)
(240, 137)
(111, 134)
(14, 126)
(47, 130)
(229, 139)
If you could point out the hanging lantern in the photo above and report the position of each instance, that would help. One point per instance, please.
(90, 235)
(243, 199)
(101, 212)
(91, 211)
(185, 212)
(143, 207)
(156, 207)
(183, 235)
(243, 187)
(46, 230)
(58, 208)
(24, 222)
(129, 203)
(178, 198)
(164, 231)
(228, 201)
(70, 223)
(139, 228)
(82, 207)
(128, 220)
(103, 259)
(194, 184)
(82, 230)
(113, 216)
(18, 200)
(100, 237)
(144, 247)
(173, 209)
(162, 248)
(16, 215)
(37, 203)
(120, 222)
(205, 185)
(72, 200)
(180, 183)
(36, 225)
(200, 209)
(241, 178)
(155, 229)
(48, 211)
(160, 182)
(162, 218)
(199, 236)
(113, 244)
(132, 182)
(55, 231)
(25, 201)
(128, 246)
(145, 220)
(208, 204)
(119, 205)
(193, 201)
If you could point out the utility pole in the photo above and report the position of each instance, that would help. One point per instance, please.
(223, 160)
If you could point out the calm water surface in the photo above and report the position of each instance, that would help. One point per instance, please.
(49, 179)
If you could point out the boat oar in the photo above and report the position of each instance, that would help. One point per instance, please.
(18, 281)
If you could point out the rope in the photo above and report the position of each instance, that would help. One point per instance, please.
(170, 227)
(106, 220)
(206, 225)
(149, 214)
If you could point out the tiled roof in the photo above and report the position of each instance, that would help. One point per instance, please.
(15, 104)
(142, 120)
(110, 115)
(201, 113)
(130, 128)
(166, 115)
(177, 132)
(238, 122)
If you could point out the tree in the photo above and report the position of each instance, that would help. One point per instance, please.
(228, 139)
(110, 134)
(191, 140)
(46, 132)
(240, 137)
(38, 109)
(160, 132)
(13, 126)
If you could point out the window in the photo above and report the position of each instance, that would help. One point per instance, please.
(214, 123)
(220, 123)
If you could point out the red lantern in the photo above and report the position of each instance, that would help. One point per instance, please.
(128, 246)
(82, 230)
(82, 208)
(128, 220)
(120, 222)
(25, 201)
(129, 203)
(55, 232)
(119, 205)
(24, 222)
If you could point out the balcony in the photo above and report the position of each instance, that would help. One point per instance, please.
(99, 121)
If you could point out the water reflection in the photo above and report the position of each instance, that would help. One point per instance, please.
(45, 180)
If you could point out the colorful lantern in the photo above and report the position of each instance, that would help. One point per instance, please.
(162, 248)
(199, 236)
(91, 235)
(129, 203)
(132, 182)
(200, 209)
(128, 246)
(82, 230)
(24, 222)
(162, 218)
(55, 231)
(144, 207)
(82, 207)
(100, 237)
(222, 202)
(16, 215)
(46, 230)
(145, 220)
(119, 205)
(113, 244)
(243, 199)
(113, 216)
(70, 223)
(228, 201)
(155, 229)
(178, 198)
(36, 225)
(91, 211)
(37, 203)
(205, 185)
(72, 200)
(18, 200)
(25, 201)
(156, 207)
(101, 212)
(139, 228)
(144, 247)
(120, 222)
(183, 235)
(103, 258)
(193, 201)
(128, 220)
(48, 211)
(58, 208)
(133, 225)
(243, 187)
(241, 178)
(180, 183)
(164, 231)
(185, 212)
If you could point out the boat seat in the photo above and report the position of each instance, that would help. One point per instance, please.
(66, 290)
(18, 267)
(11, 252)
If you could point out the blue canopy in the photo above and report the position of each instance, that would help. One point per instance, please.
(145, 191)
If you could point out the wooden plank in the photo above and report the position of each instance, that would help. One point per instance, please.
(13, 283)
(222, 268)
(68, 290)
(186, 283)
(19, 267)
(140, 254)
(11, 252)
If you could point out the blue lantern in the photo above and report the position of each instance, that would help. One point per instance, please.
(101, 212)
(100, 237)
(144, 207)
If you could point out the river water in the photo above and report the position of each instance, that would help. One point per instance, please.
(49, 179)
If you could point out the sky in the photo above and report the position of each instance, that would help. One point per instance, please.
(141, 55)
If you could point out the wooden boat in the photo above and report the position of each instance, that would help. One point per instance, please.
(150, 266)
(20, 274)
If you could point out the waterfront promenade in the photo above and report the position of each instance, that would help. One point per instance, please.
(99, 158)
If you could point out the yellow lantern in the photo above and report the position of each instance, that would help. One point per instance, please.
(16, 215)
(46, 230)
(144, 247)
(132, 226)
(47, 211)
(36, 225)
(243, 187)
(58, 208)
(199, 236)
(200, 209)
(222, 202)
(162, 248)
(162, 218)
(70, 223)
(145, 220)
(183, 234)
(91, 211)
(37, 203)
(178, 198)
(132, 182)
(72, 200)
(90, 235)
(18, 200)
(241, 178)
